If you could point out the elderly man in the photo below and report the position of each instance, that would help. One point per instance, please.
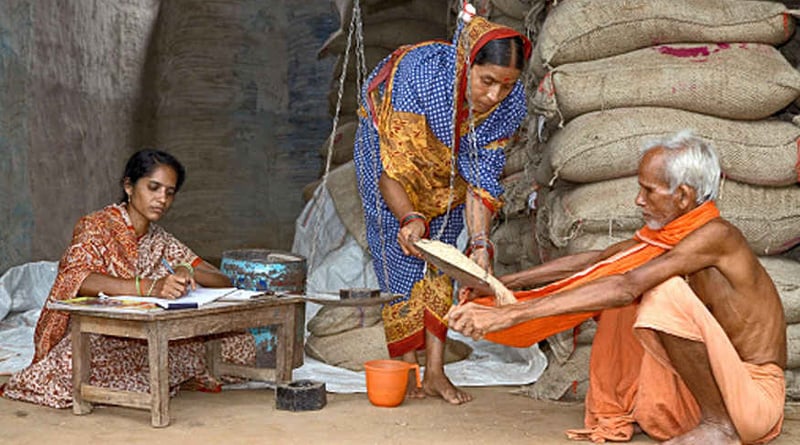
(691, 338)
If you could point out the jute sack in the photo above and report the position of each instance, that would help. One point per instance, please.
(341, 184)
(350, 349)
(606, 144)
(564, 343)
(745, 81)
(567, 381)
(331, 320)
(509, 248)
(792, 384)
(587, 241)
(793, 346)
(389, 34)
(785, 274)
(517, 189)
(516, 9)
(310, 188)
(769, 217)
(581, 30)
(343, 142)
(349, 104)
(372, 54)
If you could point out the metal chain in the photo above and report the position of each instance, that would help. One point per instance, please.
(355, 28)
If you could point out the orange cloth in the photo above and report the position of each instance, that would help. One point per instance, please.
(754, 394)
(653, 243)
(632, 380)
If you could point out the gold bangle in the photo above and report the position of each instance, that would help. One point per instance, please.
(138, 286)
(152, 286)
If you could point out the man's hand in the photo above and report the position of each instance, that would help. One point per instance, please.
(474, 320)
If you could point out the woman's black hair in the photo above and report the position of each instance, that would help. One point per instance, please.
(144, 162)
(502, 52)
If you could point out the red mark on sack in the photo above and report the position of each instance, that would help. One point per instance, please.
(697, 51)
(543, 87)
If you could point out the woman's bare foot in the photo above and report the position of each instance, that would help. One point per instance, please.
(438, 385)
(708, 433)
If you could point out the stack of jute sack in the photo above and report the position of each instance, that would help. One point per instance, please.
(386, 26)
(348, 336)
(517, 14)
(618, 73)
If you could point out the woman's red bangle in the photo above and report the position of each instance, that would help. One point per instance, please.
(481, 243)
(411, 216)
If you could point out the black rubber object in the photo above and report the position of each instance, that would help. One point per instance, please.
(300, 395)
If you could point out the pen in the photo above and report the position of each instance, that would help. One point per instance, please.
(166, 264)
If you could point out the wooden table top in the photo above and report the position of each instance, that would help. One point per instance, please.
(216, 307)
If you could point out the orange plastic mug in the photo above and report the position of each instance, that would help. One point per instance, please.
(387, 381)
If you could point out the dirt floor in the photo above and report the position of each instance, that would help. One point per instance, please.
(497, 415)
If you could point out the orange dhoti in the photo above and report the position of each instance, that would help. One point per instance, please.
(633, 381)
(754, 394)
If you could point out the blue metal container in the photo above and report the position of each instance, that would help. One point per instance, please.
(269, 271)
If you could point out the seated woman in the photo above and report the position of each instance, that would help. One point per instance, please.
(119, 250)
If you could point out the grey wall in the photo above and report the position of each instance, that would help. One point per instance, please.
(231, 87)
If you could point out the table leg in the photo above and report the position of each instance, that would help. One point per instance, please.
(81, 366)
(213, 356)
(286, 345)
(157, 351)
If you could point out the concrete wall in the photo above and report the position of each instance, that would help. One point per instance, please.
(231, 87)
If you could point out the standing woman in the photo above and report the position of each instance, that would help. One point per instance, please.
(434, 120)
(119, 250)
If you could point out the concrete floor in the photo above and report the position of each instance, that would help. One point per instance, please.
(497, 415)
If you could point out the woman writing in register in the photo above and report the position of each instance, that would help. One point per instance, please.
(119, 250)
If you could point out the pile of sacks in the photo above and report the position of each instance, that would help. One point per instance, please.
(386, 26)
(348, 336)
(617, 73)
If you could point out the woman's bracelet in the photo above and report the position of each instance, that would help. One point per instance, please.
(481, 244)
(152, 286)
(411, 216)
(188, 267)
(138, 286)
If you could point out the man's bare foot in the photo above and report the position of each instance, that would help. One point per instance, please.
(438, 385)
(708, 433)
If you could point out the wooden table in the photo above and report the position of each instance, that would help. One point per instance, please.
(159, 327)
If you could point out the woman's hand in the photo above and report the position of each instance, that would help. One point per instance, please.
(173, 286)
(410, 234)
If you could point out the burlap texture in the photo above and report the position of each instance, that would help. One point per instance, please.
(516, 9)
(769, 217)
(508, 240)
(567, 381)
(343, 143)
(331, 320)
(606, 144)
(793, 346)
(341, 184)
(745, 81)
(792, 384)
(785, 274)
(581, 30)
(350, 349)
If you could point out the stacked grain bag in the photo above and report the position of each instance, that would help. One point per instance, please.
(348, 336)
(386, 26)
(617, 73)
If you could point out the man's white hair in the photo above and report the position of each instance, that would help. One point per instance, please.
(691, 161)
